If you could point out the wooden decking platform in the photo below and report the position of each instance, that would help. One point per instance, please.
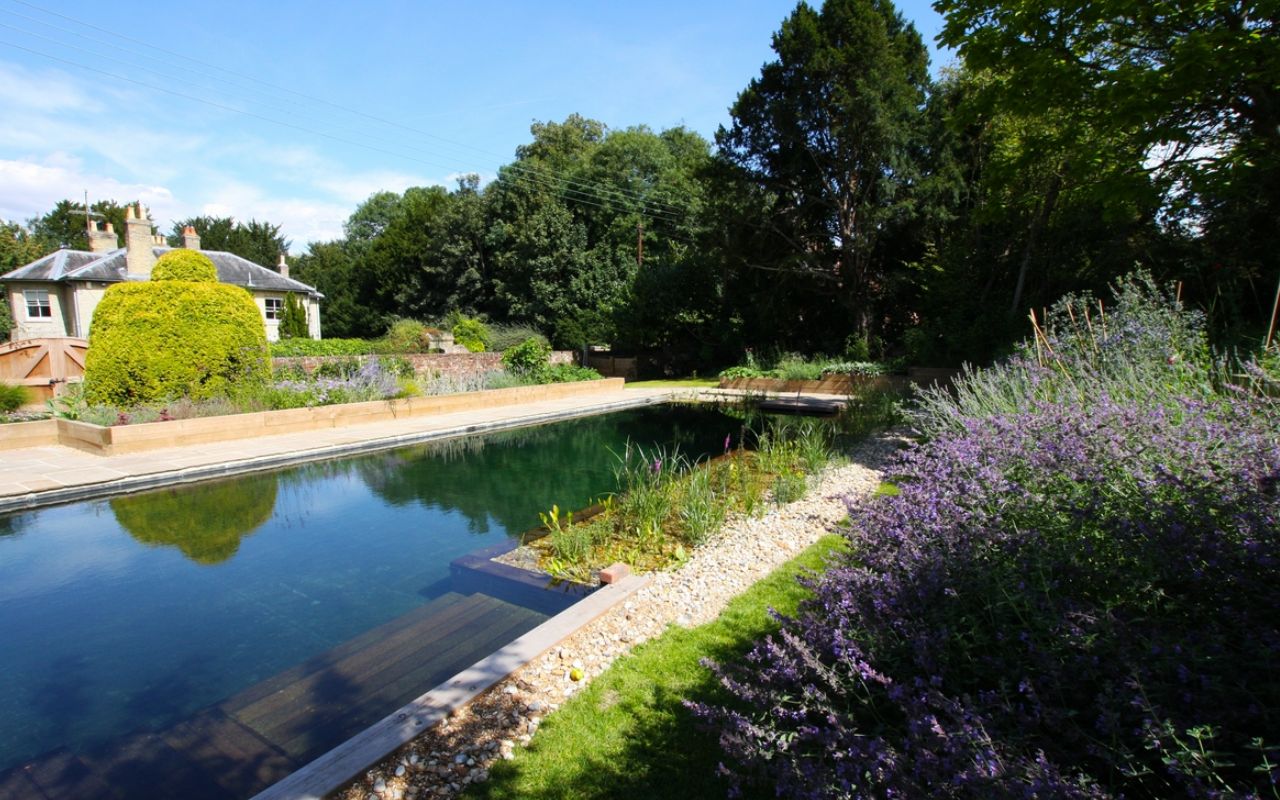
(235, 749)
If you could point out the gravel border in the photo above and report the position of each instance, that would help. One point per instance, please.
(459, 751)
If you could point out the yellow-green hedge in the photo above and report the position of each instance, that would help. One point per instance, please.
(184, 265)
(168, 339)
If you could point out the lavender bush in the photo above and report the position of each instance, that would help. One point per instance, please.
(1061, 603)
(1142, 345)
(370, 380)
(1075, 596)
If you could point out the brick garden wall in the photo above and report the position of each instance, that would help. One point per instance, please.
(456, 365)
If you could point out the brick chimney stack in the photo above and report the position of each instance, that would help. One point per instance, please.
(102, 240)
(190, 239)
(138, 241)
(283, 266)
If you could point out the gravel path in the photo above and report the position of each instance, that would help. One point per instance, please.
(441, 761)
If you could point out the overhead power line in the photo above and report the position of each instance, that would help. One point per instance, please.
(650, 206)
(568, 194)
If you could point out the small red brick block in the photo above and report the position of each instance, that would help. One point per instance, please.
(614, 573)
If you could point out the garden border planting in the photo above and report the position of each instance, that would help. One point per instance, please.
(122, 439)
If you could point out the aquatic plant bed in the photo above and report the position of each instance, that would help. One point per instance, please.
(205, 639)
(461, 750)
(122, 439)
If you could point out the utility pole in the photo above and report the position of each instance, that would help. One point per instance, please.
(640, 244)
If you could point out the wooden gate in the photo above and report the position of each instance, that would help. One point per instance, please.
(43, 365)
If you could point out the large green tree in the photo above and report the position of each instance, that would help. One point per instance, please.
(64, 225)
(827, 139)
(260, 242)
(19, 246)
(585, 218)
(1190, 86)
(1029, 218)
(332, 268)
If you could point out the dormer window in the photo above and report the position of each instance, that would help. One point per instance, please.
(37, 303)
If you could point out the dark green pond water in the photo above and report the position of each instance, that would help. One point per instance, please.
(134, 612)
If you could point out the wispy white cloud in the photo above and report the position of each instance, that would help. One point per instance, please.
(65, 137)
(29, 188)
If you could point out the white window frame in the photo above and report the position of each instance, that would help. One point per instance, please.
(273, 308)
(37, 301)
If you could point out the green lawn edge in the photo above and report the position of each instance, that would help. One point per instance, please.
(678, 383)
(627, 734)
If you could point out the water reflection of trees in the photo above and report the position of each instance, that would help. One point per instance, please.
(205, 522)
(506, 478)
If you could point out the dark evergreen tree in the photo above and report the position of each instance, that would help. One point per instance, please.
(259, 242)
(293, 320)
(65, 226)
(827, 142)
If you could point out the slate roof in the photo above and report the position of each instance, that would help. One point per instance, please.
(111, 267)
(52, 267)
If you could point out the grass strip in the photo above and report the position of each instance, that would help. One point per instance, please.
(677, 383)
(627, 734)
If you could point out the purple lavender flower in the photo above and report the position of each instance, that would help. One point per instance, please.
(1053, 602)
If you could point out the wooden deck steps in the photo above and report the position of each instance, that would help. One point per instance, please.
(255, 738)
(315, 709)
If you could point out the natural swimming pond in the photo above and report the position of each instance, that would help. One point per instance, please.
(258, 621)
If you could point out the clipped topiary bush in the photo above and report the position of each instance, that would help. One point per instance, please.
(184, 265)
(174, 338)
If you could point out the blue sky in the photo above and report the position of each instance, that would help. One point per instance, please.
(294, 112)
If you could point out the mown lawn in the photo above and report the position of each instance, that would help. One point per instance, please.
(677, 383)
(627, 734)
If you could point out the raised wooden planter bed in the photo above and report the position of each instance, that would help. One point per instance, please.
(833, 384)
(120, 439)
(845, 384)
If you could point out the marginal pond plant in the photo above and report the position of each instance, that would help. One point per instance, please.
(665, 504)
(1074, 594)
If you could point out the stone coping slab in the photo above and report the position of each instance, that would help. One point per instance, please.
(337, 767)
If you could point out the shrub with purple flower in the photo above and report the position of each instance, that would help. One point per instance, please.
(1142, 345)
(364, 380)
(1077, 597)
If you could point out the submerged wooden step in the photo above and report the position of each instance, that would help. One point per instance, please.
(326, 659)
(144, 766)
(322, 729)
(322, 677)
(60, 774)
(239, 760)
(254, 739)
(323, 707)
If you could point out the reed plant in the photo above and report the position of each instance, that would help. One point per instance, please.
(645, 482)
(789, 487)
(702, 509)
